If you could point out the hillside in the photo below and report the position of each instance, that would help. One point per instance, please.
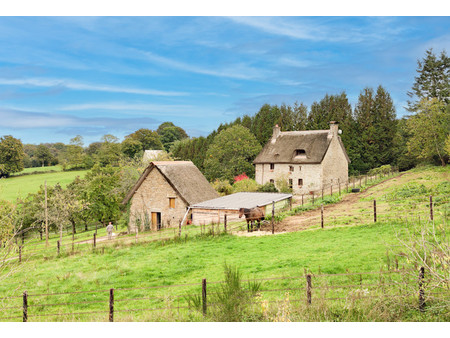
(348, 244)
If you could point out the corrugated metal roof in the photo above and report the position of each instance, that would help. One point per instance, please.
(241, 200)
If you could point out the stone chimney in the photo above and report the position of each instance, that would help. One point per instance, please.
(276, 132)
(334, 129)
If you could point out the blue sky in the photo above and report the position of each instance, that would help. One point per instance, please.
(64, 76)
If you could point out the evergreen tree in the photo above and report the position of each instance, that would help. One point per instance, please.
(432, 80)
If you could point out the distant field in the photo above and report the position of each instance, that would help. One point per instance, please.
(39, 170)
(20, 186)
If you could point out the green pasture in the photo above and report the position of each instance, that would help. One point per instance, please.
(20, 186)
(29, 171)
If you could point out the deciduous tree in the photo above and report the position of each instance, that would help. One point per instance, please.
(11, 155)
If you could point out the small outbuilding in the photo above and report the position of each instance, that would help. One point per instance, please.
(214, 210)
(164, 192)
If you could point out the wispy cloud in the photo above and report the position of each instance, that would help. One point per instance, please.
(303, 29)
(123, 106)
(20, 119)
(240, 71)
(70, 84)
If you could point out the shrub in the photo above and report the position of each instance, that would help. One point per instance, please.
(223, 187)
(268, 187)
(245, 185)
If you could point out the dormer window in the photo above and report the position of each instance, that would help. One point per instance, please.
(300, 152)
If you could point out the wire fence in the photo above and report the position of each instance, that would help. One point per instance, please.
(177, 302)
(423, 209)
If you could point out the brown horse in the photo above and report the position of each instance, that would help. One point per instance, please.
(251, 215)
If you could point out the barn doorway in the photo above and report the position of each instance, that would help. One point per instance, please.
(156, 220)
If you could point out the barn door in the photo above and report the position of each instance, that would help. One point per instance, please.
(156, 220)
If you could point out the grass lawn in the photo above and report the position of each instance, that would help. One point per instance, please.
(38, 170)
(20, 186)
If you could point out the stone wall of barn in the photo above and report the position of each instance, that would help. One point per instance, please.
(335, 165)
(153, 196)
(310, 174)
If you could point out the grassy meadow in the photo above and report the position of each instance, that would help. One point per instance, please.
(20, 186)
(355, 247)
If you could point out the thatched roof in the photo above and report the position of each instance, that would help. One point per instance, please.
(184, 177)
(283, 148)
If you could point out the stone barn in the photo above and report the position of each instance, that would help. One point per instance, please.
(163, 193)
(213, 211)
(309, 160)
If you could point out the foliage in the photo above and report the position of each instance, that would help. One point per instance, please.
(282, 184)
(432, 81)
(100, 193)
(407, 190)
(231, 153)
(248, 185)
(43, 154)
(384, 169)
(170, 133)
(74, 155)
(11, 155)
(148, 138)
(232, 300)
(376, 128)
(223, 187)
(109, 152)
(430, 128)
(7, 221)
(131, 147)
(268, 187)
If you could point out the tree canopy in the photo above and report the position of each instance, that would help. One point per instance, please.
(11, 155)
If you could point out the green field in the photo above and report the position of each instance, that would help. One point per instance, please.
(33, 170)
(353, 246)
(20, 186)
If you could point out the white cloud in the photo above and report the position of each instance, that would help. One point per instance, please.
(70, 84)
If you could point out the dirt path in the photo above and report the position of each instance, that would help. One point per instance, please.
(313, 217)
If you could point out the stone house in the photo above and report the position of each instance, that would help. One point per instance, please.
(309, 160)
(163, 193)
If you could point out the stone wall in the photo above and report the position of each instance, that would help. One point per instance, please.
(311, 174)
(153, 196)
(335, 165)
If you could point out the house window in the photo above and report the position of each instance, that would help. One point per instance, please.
(291, 168)
(300, 182)
(300, 152)
(299, 168)
(171, 202)
(290, 183)
(272, 181)
(272, 166)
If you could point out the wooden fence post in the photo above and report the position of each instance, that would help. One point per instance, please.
(331, 189)
(225, 222)
(421, 291)
(25, 306)
(111, 305)
(290, 204)
(302, 199)
(58, 244)
(204, 307)
(20, 254)
(313, 197)
(273, 217)
(179, 229)
(95, 239)
(374, 211)
(339, 184)
(322, 192)
(431, 207)
(308, 289)
(321, 215)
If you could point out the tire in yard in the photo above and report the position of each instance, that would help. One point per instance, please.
(355, 190)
